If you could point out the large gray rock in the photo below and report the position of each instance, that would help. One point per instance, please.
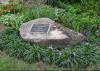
(51, 34)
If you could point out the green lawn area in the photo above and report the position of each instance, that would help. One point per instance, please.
(11, 63)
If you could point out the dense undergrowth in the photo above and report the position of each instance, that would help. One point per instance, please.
(80, 56)
(80, 15)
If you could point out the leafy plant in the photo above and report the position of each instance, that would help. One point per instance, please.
(11, 20)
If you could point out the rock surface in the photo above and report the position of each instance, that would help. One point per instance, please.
(57, 36)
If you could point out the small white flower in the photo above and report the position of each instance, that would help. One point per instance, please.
(87, 43)
(66, 48)
(74, 53)
(50, 47)
(60, 53)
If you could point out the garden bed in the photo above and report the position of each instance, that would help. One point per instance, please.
(77, 15)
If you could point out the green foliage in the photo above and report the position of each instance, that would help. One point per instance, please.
(38, 12)
(90, 5)
(7, 63)
(56, 2)
(82, 56)
(10, 63)
(11, 20)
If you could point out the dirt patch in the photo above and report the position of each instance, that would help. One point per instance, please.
(2, 54)
(98, 43)
(2, 27)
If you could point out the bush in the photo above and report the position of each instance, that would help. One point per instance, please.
(81, 56)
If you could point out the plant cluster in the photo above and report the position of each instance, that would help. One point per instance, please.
(11, 20)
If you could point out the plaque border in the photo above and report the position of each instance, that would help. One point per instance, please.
(40, 32)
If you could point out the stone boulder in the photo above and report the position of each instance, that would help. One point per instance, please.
(44, 31)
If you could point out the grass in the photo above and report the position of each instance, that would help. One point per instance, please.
(11, 63)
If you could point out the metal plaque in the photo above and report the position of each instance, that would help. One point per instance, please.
(42, 28)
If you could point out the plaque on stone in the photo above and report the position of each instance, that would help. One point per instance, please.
(44, 31)
(40, 28)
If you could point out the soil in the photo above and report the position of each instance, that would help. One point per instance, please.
(1, 27)
(98, 43)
